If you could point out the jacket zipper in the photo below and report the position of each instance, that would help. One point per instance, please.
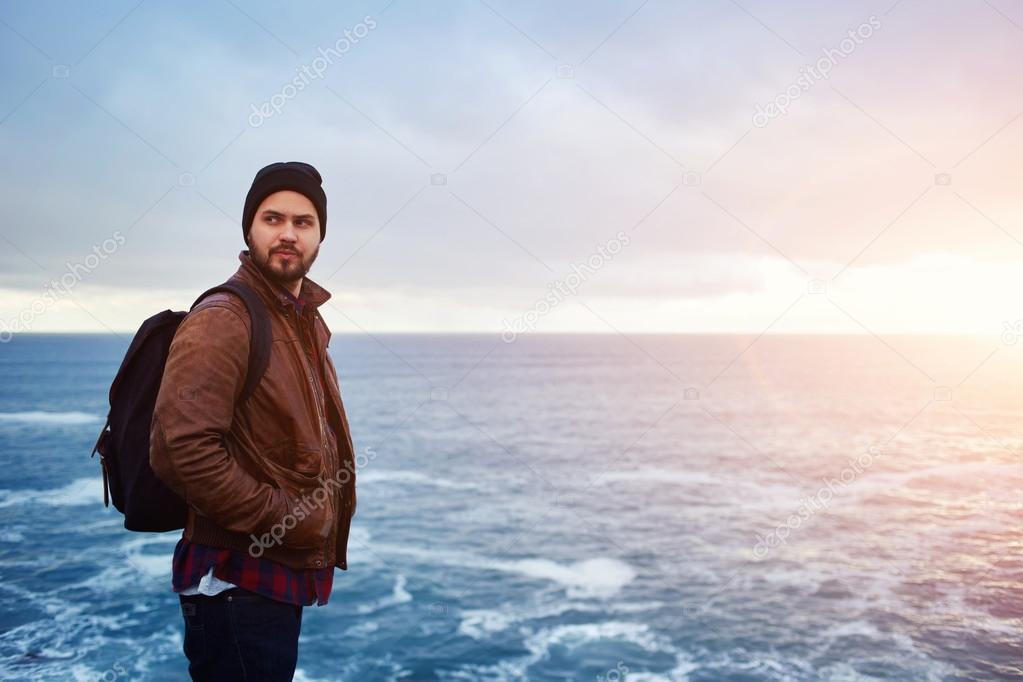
(324, 445)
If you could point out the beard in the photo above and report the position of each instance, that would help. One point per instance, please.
(283, 271)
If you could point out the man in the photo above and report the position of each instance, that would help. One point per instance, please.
(269, 482)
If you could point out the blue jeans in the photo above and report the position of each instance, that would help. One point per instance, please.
(240, 635)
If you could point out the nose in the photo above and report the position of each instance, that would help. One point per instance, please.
(289, 234)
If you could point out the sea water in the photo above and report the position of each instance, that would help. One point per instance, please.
(577, 507)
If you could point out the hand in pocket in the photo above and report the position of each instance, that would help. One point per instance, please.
(311, 520)
(310, 508)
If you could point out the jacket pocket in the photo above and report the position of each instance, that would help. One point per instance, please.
(309, 519)
(288, 456)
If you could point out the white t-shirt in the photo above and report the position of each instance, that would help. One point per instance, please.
(208, 585)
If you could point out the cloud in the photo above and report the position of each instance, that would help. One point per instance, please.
(652, 134)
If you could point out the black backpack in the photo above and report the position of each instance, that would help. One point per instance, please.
(146, 501)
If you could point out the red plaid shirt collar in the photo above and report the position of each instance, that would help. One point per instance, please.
(298, 302)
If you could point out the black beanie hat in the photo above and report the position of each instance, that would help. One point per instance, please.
(294, 175)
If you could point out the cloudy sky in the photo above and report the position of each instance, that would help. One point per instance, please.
(640, 166)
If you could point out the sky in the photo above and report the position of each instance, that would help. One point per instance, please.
(708, 167)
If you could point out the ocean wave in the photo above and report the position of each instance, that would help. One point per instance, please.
(81, 491)
(960, 474)
(49, 418)
(573, 636)
(413, 477)
(597, 577)
(668, 476)
(763, 490)
(577, 634)
(399, 595)
(481, 623)
(11, 536)
(601, 577)
(153, 565)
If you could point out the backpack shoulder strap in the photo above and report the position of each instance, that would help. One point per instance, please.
(261, 339)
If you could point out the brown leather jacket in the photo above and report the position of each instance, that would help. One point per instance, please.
(265, 476)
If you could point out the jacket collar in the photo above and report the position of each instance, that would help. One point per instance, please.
(312, 293)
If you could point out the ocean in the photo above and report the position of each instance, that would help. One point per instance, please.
(577, 507)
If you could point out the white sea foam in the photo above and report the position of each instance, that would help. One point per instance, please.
(478, 623)
(131, 563)
(302, 676)
(80, 491)
(697, 478)
(384, 668)
(853, 628)
(66, 627)
(153, 565)
(143, 652)
(80, 672)
(924, 666)
(399, 595)
(11, 536)
(597, 577)
(714, 489)
(680, 673)
(412, 477)
(481, 623)
(601, 577)
(539, 644)
(363, 629)
(49, 418)
(576, 634)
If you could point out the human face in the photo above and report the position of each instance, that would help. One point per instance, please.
(284, 239)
